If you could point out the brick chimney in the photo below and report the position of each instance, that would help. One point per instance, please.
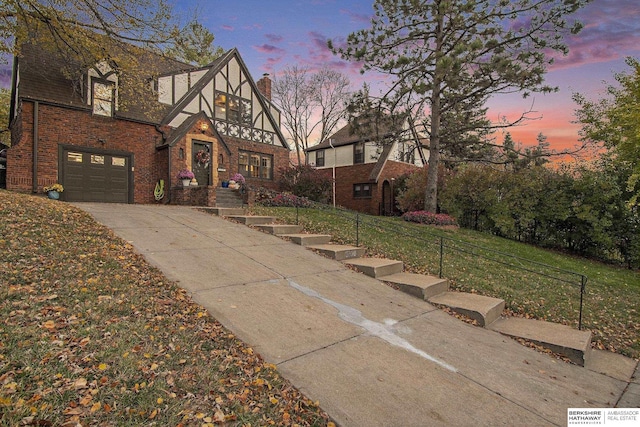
(264, 86)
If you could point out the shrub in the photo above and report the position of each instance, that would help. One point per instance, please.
(305, 181)
(424, 217)
(286, 200)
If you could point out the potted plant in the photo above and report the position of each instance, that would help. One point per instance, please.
(53, 191)
(238, 181)
(186, 176)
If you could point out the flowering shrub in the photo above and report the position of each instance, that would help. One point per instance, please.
(55, 187)
(238, 178)
(185, 174)
(424, 217)
(286, 200)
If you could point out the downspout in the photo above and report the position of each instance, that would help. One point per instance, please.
(168, 185)
(34, 177)
(334, 172)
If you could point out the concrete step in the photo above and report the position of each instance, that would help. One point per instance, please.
(485, 310)
(339, 252)
(220, 211)
(561, 339)
(376, 267)
(418, 285)
(226, 197)
(308, 239)
(280, 229)
(252, 219)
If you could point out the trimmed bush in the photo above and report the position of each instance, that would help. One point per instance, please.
(424, 217)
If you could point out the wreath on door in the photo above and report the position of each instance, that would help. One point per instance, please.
(203, 157)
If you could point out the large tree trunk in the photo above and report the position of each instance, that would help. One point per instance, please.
(431, 192)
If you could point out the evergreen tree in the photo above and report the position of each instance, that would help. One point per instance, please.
(441, 53)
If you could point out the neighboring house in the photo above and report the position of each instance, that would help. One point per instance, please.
(85, 133)
(365, 168)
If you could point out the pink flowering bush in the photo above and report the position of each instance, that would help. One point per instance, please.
(424, 217)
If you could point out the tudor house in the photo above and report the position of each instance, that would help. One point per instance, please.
(364, 168)
(213, 120)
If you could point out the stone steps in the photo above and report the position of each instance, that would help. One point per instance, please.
(221, 211)
(484, 310)
(418, 285)
(228, 198)
(308, 239)
(561, 339)
(280, 229)
(339, 252)
(251, 219)
(375, 267)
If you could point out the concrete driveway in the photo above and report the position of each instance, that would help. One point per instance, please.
(371, 355)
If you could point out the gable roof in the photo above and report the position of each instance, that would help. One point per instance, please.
(348, 135)
(214, 68)
(42, 78)
(178, 133)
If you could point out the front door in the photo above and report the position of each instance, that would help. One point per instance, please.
(202, 162)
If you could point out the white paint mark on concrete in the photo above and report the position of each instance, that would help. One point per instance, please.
(380, 330)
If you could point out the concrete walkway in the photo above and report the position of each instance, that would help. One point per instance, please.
(371, 355)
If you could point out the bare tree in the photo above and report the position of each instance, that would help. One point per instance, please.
(311, 103)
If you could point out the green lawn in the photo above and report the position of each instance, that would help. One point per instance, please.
(482, 263)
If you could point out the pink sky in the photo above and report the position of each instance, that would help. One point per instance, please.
(273, 35)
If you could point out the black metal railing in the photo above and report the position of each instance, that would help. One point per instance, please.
(451, 251)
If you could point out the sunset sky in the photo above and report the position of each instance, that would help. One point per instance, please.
(274, 34)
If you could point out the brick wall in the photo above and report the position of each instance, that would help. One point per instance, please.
(61, 126)
(347, 176)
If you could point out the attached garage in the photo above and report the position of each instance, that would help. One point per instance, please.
(96, 176)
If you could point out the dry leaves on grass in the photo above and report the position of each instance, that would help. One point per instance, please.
(92, 335)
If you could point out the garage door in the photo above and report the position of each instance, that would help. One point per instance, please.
(95, 177)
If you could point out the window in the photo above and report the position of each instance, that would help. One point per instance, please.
(358, 153)
(320, 158)
(232, 109)
(361, 190)
(255, 165)
(102, 95)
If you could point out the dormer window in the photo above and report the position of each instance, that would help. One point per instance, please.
(102, 97)
(102, 90)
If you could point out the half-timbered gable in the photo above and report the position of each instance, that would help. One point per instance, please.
(227, 94)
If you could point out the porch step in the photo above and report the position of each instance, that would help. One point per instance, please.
(561, 339)
(418, 285)
(339, 252)
(308, 239)
(484, 310)
(224, 211)
(228, 198)
(376, 267)
(252, 220)
(280, 229)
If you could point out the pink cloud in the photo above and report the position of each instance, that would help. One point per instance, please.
(356, 17)
(269, 49)
(274, 38)
(228, 28)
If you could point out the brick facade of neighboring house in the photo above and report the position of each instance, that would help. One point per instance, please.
(365, 170)
(212, 120)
